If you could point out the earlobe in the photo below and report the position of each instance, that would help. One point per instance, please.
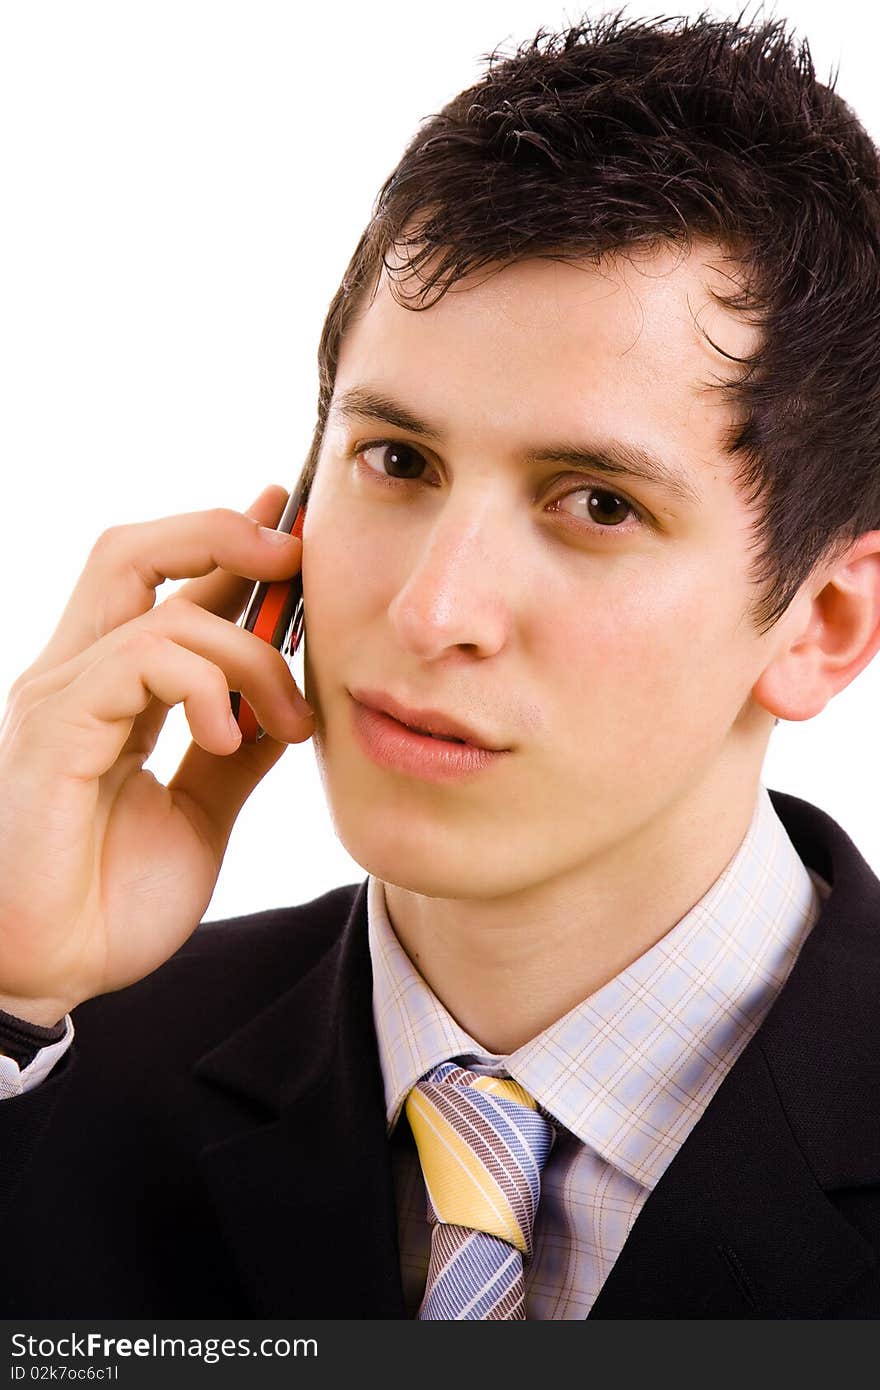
(828, 636)
(788, 690)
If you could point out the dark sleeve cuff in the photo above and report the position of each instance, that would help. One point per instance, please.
(22, 1040)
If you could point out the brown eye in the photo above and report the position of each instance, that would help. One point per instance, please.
(599, 506)
(403, 461)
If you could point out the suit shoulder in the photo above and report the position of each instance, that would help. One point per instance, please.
(294, 935)
(227, 971)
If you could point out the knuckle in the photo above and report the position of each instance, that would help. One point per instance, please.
(19, 686)
(220, 683)
(28, 690)
(276, 661)
(174, 617)
(108, 541)
(18, 702)
(142, 642)
(174, 606)
(16, 718)
(28, 717)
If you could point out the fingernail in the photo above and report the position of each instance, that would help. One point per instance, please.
(302, 706)
(275, 537)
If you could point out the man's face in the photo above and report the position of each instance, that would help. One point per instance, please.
(594, 624)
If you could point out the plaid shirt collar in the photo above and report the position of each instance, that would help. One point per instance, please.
(630, 1069)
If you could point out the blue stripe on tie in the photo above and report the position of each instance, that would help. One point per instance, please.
(474, 1263)
(525, 1133)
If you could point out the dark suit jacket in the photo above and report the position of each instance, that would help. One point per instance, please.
(213, 1143)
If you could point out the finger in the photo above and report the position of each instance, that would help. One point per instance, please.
(248, 664)
(78, 732)
(128, 563)
(227, 594)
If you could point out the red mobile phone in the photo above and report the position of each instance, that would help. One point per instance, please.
(275, 613)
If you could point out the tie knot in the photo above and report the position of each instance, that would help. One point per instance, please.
(482, 1144)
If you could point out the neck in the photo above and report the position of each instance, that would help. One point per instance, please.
(506, 968)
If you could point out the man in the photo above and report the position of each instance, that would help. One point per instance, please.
(604, 509)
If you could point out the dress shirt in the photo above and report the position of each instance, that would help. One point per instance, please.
(15, 1079)
(625, 1075)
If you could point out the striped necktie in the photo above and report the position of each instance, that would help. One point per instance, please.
(482, 1143)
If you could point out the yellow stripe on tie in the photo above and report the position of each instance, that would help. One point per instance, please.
(461, 1188)
(505, 1086)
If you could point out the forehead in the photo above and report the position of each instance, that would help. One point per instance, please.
(543, 347)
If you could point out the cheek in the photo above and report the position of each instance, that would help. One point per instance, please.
(342, 581)
(651, 659)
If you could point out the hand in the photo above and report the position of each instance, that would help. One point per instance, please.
(105, 872)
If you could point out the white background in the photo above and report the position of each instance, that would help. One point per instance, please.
(183, 182)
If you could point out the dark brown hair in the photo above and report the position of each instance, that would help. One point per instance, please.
(623, 133)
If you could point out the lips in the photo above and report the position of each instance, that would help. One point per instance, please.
(428, 721)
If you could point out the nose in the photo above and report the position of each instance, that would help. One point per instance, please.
(460, 587)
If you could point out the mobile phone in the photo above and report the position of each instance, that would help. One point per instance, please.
(275, 613)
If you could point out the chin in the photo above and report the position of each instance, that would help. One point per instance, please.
(424, 860)
(430, 880)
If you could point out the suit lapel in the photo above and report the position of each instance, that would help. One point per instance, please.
(296, 1155)
(737, 1226)
(742, 1222)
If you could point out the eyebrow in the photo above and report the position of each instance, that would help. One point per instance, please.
(615, 458)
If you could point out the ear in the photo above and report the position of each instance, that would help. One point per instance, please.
(829, 633)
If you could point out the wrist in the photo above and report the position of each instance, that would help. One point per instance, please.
(41, 1013)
